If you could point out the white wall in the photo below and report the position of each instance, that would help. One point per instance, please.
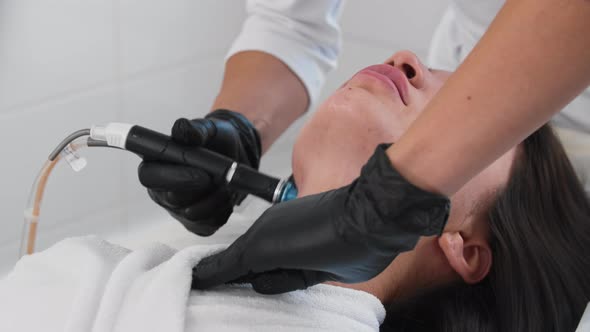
(67, 64)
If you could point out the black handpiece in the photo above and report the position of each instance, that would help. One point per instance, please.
(150, 144)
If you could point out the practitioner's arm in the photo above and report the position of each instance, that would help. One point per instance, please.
(533, 60)
(278, 64)
(274, 71)
(265, 90)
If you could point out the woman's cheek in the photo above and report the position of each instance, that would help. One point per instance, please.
(374, 117)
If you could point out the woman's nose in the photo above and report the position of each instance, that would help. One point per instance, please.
(409, 63)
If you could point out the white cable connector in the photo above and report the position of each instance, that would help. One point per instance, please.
(73, 159)
(115, 134)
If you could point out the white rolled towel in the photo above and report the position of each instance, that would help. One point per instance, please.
(87, 284)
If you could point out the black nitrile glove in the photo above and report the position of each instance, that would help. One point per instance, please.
(189, 193)
(349, 234)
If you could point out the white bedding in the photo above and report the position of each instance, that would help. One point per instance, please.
(88, 284)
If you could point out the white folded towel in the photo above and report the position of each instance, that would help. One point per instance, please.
(87, 284)
(58, 289)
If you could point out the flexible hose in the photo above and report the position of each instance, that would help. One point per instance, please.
(33, 208)
(76, 141)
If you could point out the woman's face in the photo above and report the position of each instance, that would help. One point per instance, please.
(377, 105)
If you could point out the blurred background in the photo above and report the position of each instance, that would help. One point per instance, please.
(68, 64)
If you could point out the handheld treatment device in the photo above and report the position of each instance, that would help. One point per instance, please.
(152, 145)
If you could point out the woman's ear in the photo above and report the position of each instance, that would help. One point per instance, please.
(471, 259)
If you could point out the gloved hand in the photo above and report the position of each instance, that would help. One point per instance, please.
(348, 235)
(188, 193)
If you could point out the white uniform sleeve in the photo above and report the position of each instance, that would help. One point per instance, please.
(304, 34)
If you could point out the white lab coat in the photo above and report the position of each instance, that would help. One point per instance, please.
(305, 35)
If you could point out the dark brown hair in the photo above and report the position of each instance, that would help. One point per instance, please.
(540, 239)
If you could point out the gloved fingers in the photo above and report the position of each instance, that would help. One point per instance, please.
(167, 177)
(227, 140)
(193, 132)
(220, 268)
(185, 198)
(209, 204)
(160, 198)
(204, 226)
(176, 200)
(204, 217)
(282, 280)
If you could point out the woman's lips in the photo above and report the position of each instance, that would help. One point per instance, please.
(392, 76)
